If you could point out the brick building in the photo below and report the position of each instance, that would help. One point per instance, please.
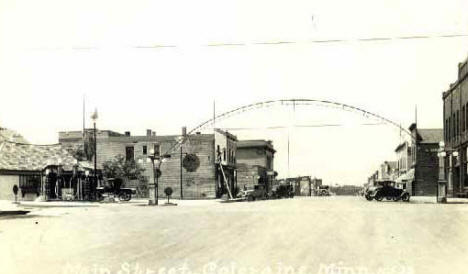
(255, 163)
(210, 152)
(455, 117)
(424, 161)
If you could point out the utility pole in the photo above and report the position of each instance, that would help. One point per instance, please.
(181, 184)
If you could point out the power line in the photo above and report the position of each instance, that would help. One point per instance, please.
(273, 43)
(367, 39)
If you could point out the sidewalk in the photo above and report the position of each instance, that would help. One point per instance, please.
(433, 200)
(10, 208)
(58, 204)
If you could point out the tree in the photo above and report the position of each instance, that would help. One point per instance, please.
(119, 167)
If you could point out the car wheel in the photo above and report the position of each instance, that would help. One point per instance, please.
(369, 198)
(396, 198)
(379, 198)
(124, 197)
(388, 198)
(405, 197)
(250, 198)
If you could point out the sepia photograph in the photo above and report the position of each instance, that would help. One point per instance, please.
(233, 137)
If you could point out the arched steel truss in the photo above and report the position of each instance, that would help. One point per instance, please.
(291, 102)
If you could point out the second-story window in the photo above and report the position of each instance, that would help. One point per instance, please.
(463, 120)
(129, 153)
(145, 150)
(157, 149)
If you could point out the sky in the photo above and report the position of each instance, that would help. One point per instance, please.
(158, 65)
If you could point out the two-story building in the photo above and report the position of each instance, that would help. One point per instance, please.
(455, 117)
(255, 163)
(387, 171)
(200, 165)
(404, 171)
(424, 160)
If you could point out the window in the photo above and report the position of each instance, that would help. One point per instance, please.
(453, 127)
(463, 119)
(466, 116)
(224, 154)
(129, 153)
(446, 130)
(157, 149)
(145, 150)
(30, 184)
(457, 127)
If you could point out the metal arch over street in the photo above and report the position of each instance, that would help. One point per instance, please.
(295, 102)
(288, 102)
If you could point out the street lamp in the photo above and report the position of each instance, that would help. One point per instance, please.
(442, 182)
(156, 161)
(94, 117)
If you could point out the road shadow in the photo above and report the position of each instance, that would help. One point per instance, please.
(25, 216)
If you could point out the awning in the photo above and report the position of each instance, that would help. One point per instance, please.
(407, 177)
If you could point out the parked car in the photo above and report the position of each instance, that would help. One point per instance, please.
(114, 188)
(257, 193)
(282, 191)
(388, 192)
(323, 190)
(369, 191)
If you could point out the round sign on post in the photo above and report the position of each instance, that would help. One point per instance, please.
(191, 162)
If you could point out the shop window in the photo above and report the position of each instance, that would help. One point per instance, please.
(30, 184)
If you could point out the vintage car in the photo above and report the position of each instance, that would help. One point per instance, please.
(282, 191)
(388, 192)
(257, 193)
(323, 190)
(113, 188)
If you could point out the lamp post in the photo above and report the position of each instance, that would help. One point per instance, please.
(156, 161)
(442, 182)
(94, 117)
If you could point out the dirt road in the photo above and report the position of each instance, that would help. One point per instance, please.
(303, 235)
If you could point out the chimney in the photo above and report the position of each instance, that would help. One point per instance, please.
(148, 132)
(127, 133)
(154, 133)
(184, 131)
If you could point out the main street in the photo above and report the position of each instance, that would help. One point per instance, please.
(313, 235)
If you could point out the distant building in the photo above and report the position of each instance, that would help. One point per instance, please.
(303, 185)
(197, 169)
(255, 163)
(387, 171)
(456, 133)
(12, 136)
(405, 173)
